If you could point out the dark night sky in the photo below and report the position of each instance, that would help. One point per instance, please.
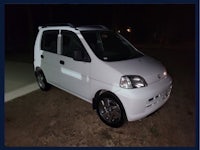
(173, 23)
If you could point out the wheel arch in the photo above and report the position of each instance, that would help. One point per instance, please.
(96, 97)
(37, 69)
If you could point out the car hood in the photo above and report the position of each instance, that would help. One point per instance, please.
(147, 67)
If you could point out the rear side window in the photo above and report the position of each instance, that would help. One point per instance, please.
(49, 41)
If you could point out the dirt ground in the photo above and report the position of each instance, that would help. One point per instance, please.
(56, 118)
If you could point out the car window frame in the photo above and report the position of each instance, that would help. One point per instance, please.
(62, 32)
(56, 40)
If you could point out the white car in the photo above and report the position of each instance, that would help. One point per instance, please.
(103, 68)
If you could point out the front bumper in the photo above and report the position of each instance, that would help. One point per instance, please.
(139, 103)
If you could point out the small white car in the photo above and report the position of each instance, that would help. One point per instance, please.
(103, 68)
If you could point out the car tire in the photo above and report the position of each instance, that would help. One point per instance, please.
(41, 80)
(110, 110)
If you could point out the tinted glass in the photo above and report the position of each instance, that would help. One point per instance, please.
(72, 43)
(110, 46)
(49, 41)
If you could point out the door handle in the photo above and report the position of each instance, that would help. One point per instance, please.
(42, 56)
(62, 62)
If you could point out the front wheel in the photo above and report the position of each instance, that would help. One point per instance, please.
(110, 110)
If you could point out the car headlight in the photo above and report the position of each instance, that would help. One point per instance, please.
(132, 81)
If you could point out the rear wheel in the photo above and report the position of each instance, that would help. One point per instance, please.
(110, 110)
(41, 80)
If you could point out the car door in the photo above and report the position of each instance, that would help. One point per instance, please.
(75, 73)
(49, 57)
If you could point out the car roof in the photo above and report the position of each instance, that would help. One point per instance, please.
(92, 27)
(80, 28)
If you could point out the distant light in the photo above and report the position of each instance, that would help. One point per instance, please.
(118, 31)
(128, 30)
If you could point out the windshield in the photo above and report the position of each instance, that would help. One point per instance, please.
(110, 46)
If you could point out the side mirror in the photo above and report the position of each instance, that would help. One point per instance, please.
(78, 55)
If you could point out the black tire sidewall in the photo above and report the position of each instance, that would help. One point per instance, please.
(46, 85)
(113, 97)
